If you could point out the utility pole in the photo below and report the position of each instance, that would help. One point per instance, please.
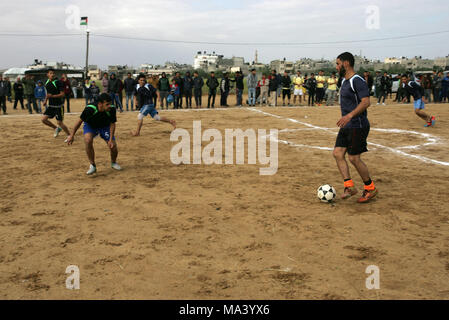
(87, 53)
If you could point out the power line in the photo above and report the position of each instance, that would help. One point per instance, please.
(225, 43)
(271, 43)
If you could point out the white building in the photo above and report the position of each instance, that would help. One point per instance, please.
(393, 60)
(204, 60)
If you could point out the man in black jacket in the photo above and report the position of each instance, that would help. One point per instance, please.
(18, 93)
(180, 83)
(3, 93)
(224, 90)
(198, 84)
(130, 87)
(273, 86)
(212, 83)
(113, 90)
(286, 90)
(188, 86)
(239, 86)
(311, 88)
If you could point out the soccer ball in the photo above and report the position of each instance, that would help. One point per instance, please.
(170, 98)
(326, 193)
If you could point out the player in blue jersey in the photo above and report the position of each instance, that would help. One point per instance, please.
(416, 91)
(145, 97)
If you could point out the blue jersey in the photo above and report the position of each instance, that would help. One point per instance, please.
(352, 92)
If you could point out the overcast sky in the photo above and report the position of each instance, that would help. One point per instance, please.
(262, 21)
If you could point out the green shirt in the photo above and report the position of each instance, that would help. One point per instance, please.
(28, 86)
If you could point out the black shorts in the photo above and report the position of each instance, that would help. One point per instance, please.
(286, 92)
(353, 139)
(57, 112)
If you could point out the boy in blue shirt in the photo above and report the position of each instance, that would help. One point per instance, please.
(39, 94)
(416, 91)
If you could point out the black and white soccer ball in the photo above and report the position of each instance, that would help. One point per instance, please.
(326, 193)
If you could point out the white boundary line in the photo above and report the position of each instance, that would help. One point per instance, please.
(431, 139)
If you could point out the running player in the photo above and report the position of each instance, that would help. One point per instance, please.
(145, 96)
(99, 118)
(55, 99)
(354, 128)
(414, 89)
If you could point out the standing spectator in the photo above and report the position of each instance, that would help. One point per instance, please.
(8, 89)
(369, 80)
(67, 90)
(94, 91)
(155, 83)
(320, 80)
(389, 85)
(87, 92)
(18, 93)
(298, 81)
(383, 89)
(239, 88)
(3, 93)
(279, 78)
(188, 87)
(306, 77)
(120, 90)
(311, 87)
(286, 90)
(212, 83)
(198, 84)
(29, 85)
(331, 89)
(113, 90)
(377, 84)
(164, 89)
(176, 93)
(105, 84)
(273, 88)
(437, 79)
(75, 84)
(264, 85)
(180, 84)
(225, 87)
(427, 85)
(445, 89)
(39, 95)
(252, 85)
(130, 87)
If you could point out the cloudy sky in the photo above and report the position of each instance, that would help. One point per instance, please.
(227, 21)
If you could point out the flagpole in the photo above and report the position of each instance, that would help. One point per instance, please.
(87, 53)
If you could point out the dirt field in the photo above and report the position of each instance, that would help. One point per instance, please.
(162, 231)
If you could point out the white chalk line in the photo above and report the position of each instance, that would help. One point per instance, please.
(118, 113)
(430, 138)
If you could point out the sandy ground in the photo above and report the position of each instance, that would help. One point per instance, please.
(162, 231)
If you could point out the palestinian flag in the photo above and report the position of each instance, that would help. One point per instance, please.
(83, 21)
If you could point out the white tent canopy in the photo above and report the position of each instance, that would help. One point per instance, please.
(13, 73)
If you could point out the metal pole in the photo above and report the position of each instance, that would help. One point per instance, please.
(87, 54)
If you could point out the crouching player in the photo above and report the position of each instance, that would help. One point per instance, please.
(145, 97)
(99, 119)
